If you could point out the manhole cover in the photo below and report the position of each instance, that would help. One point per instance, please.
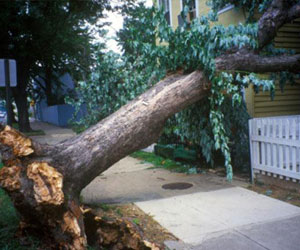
(177, 185)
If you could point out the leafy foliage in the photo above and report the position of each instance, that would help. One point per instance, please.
(48, 35)
(212, 123)
(112, 84)
(30, 31)
(196, 45)
(249, 5)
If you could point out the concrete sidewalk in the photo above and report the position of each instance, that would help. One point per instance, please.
(211, 215)
(132, 180)
(227, 219)
(54, 134)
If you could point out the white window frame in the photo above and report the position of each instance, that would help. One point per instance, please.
(196, 7)
(170, 11)
(226, 8)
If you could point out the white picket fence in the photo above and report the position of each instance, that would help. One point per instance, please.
(275, 146)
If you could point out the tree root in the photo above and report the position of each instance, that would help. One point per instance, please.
(115, 234)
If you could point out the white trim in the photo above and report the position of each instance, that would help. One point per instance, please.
(197, 8)
(226, 8)
(170, 11)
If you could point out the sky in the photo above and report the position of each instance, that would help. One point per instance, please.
(116, 24)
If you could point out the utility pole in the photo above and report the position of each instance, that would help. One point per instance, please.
(8, 93)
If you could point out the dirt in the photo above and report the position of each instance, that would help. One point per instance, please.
(291, 196)
(150, 229)
(286, 195)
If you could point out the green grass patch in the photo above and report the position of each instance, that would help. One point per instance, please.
(161, 162)
(119, 212)
(15, 126)
(136, 221)
(35, 133)
(105, 207)
(78, 129)
(9, 222)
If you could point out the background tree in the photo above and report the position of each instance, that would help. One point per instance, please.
(46, 37)
(45, 181)
(117, 79)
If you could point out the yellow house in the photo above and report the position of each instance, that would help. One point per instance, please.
(259, 105)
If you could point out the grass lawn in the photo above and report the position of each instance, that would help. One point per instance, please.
(78, 129)
(161, 162)
(9, 222)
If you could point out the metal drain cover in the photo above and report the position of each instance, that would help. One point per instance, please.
(177, 186)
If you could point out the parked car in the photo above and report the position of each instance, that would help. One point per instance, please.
(3, 115)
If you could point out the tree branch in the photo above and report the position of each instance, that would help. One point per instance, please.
(250, 62)
(134, 126)
(279, 13)
(294, 12)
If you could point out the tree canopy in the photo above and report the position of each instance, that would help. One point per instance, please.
(152, 49)
(45, 36)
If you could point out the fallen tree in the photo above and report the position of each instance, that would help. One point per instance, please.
(44, 182)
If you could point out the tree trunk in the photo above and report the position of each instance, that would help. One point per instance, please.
(20, 96)
(48, 83)
(45, 181)
(22, 107)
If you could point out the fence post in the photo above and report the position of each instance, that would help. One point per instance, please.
(251, 151)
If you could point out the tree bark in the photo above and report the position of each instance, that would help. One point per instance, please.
(44, 181)
(249, 61)
(48, 87)
(20, 96)
(279, 13)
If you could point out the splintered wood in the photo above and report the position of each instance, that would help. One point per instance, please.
(21, 145)
(70, 225)
(10, 178)
(114, 233)
(48, 183)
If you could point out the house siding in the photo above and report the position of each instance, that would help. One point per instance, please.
(288, 101)
(261, 104)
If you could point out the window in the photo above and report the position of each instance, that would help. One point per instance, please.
(166, 5)
(192, 14)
